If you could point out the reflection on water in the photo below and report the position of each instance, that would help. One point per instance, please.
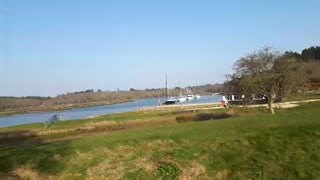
(93, 111)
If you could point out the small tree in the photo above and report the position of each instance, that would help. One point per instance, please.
(269, 73)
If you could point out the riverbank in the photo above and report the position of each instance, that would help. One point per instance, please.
(84, 113)
(12, 112)
(252, 144)
(147, 117)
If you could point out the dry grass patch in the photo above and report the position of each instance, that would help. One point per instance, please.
(107, 170)
(194, 170)
(144, 163)
(26, 173)
(159, 144)
(119, 161)
(222, 175)
(115, 163)
(116, 125)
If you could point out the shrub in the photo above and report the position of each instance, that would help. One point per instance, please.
(185, 118)
(212, 116)
(202, 117)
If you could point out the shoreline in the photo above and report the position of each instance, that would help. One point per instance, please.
(177, 108)
(117, 120)
(38, 110)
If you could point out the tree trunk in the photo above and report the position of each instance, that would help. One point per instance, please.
(270, 104)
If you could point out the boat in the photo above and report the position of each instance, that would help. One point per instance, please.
(190, 97)
(182, 99)
(197, 96)
(170, 100)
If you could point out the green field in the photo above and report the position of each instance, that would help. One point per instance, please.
(251, 146)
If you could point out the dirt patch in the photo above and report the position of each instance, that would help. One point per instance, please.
(285, 106)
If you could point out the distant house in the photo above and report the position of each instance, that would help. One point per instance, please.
(233, 96)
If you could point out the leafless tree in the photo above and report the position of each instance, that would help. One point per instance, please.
(269, 73)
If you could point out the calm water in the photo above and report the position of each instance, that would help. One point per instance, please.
(93, 111)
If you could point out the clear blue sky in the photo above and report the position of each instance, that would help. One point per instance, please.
(49, 47)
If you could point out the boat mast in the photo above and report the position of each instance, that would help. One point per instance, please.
(166, 86)
(179, 90)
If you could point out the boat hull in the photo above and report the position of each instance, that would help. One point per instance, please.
(182, 99)
(169, 102)
(190, 97)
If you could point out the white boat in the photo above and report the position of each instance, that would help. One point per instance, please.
(190, 97)
(182, 99)
(170, 100)
(197, 96)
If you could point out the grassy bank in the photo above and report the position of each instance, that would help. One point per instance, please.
(129, 120)
(84, 122)
(304, 96)
(283, 146)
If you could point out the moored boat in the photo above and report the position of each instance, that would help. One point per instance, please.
(182, 99)
(190, 97)
(170, 100)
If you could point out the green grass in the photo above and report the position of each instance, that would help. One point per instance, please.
(283, 146)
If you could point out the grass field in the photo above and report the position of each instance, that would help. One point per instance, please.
(252, 146)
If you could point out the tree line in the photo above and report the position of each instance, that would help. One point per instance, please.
(309, 54)
(309, 59)
(89, 96)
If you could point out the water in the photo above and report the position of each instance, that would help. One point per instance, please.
(93, 111)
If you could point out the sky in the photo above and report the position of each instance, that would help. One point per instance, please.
(53, 47)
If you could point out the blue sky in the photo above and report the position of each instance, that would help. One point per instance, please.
(52, 47)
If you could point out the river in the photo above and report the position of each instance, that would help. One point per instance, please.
(93, 111)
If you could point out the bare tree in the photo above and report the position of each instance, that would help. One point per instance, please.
(269, 73)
